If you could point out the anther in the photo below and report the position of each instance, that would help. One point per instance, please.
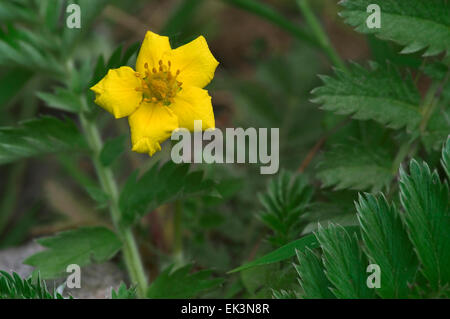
(137, 74)
(154, 70)
(146, 65)
(160, 62)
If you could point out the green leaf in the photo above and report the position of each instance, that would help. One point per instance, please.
(380, 94)
(112, 149)
(123, 292)
(387, 245)
(179, 284)
(37, 137)
(312, 278)
(285, 201)
(62, 99)
(160, 185)
(287, 251)
(282, 253)
(415, 24)
(11, 83)
(80, 246)
(344, 262)
(437, 129)
(14, 287)
(445, 161)
(425, 200)
(356, 165)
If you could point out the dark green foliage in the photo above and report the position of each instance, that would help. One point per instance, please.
(387, 245)
(313, 280)
(160, 185)
(14, 287)
(411, 247)
(285, 201)
(344, 262)
(37, 137)
(356, 166)
(415, 24)
(380, 93)
(80, 246)
(179, 283)
(425, 200)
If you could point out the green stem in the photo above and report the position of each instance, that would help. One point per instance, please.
(273, 16)
(130, 251)
(320, 34)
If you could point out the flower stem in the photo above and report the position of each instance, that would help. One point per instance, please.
(320, 34)
(105, 175)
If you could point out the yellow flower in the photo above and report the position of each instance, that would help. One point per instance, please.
(165, 93)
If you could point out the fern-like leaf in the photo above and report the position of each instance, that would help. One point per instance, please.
(285, 201)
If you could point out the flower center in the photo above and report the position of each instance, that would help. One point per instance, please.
(159, 85)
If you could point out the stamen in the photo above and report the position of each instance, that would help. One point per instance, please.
(159, 84)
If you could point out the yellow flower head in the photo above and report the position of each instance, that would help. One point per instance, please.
(165, 93)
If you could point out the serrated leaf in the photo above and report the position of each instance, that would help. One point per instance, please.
(37, 137)
(160, 185)
(180, 284)
(425, 200)
(414, 24)
(344, 262)
(61, 99)
(81, 246)
(380, 94)
(356, 166)
(312, 278)
(387, 245)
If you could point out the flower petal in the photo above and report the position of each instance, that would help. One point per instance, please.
(195, 62)
(152, 50)
(193, 103)
(151, 125)
(116, 92)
